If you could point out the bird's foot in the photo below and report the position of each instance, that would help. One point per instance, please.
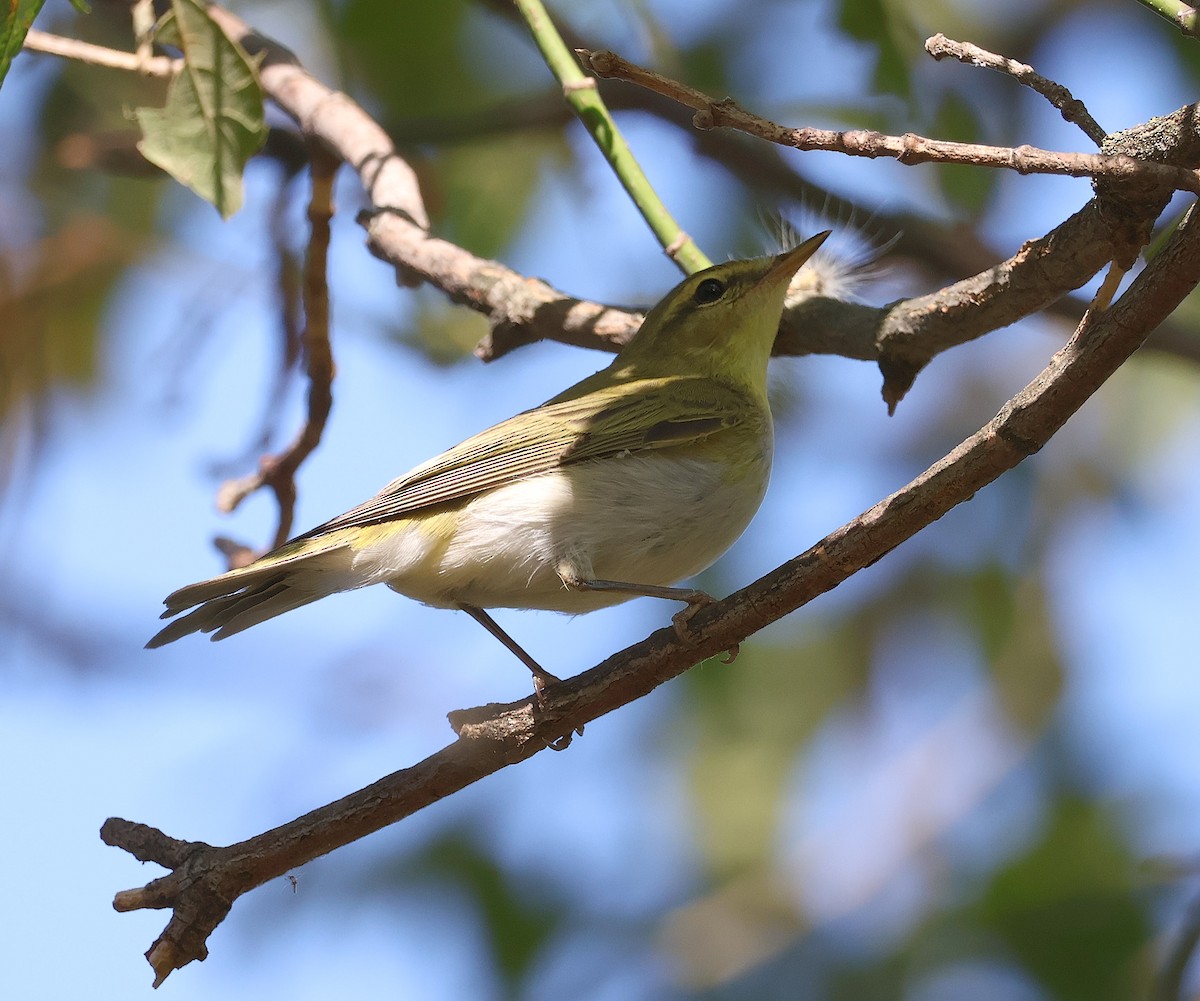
(543, 679)
(696, 601)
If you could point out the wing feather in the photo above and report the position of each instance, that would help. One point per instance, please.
(632, 417)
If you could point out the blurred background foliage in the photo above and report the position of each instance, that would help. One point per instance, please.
(972, 772)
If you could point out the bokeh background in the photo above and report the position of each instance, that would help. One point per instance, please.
(972, 771)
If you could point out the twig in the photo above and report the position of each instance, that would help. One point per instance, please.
(523, 310)
(580, 92)
(207, 880)
(908, 149)
(278, 471)
(1183, 16)
(1108, 288)
(289, 294)
(99, 55)
(762, 167)
(1072, 109)
(141, 13)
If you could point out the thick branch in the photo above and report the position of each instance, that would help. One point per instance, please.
(907, 335)
(206, 880)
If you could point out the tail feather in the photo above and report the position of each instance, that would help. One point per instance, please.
(273, 565)
(230, 606)
(274, 601)
(242, 598)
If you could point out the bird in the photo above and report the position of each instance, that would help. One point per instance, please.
(633, 479)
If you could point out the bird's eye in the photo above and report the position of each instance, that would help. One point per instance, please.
(709, 290)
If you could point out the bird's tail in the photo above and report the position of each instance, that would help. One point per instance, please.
(291, 576)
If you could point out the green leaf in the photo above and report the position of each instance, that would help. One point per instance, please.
(212, 122)
(1069, 910)
(750, 724)
(18, 16)
(885, 25)
(519, 915)
(411, 55)
(487, 187)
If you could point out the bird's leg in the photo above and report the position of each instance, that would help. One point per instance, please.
(541, 677)
(695, 599)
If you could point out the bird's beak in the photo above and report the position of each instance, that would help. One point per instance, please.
(789, 262)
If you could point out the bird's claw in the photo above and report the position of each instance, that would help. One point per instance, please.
(563, 742)
(542, 680)
(681, 619)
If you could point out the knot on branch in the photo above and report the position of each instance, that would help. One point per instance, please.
(1131, 201)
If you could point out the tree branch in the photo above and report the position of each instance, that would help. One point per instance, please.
(99, 55)
(206, 880)
(1071, 108)
(279, 471)
(901, 337)
(908, 149)
(838, 329)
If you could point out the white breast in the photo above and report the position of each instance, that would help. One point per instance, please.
(637, 519)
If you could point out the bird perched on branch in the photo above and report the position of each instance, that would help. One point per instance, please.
(624, 484)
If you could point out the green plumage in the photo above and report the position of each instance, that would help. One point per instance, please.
(630, 480)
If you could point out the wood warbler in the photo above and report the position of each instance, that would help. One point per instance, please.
(631, 480)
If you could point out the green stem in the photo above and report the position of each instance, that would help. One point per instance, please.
(581, 93)
(1183, 16)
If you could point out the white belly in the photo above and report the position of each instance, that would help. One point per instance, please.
(639, 519)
